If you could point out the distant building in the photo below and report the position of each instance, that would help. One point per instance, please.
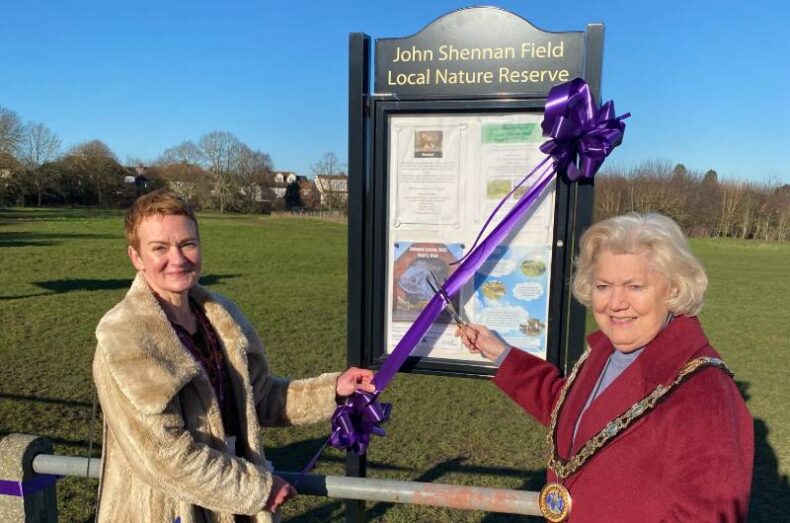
(134, 176)
(333, 189)
(278, 181)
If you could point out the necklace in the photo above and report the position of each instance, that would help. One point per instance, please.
(555, 499)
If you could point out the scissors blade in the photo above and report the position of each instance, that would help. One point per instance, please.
(448, 305)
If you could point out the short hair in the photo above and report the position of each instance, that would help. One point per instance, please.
(162, 202)
(667, 249)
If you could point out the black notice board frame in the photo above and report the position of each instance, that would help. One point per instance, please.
(368, 114)
(573, 213)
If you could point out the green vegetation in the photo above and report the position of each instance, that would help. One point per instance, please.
(60, 270)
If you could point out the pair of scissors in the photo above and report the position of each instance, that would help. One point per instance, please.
(433, 283)
(450, 308)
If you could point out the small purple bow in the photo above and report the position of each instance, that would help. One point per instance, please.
(581, 135)
(356, 419)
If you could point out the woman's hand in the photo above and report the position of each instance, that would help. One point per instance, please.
(353, 379)
(478, 338)
(281, 492)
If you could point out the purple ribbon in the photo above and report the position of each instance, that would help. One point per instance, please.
(25, 488)
(354, 421)
(457, 279)
(579, 133)
(581, 137)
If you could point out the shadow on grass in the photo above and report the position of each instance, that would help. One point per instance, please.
(81, 444)
(83, 406)
(70, 285)
(40, 239)
(295, 456)
(770, 488)
(320, 514)
(52, 401)
(16, 215)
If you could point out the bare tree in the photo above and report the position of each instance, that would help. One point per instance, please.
(778, 210)
(331, 181)
(328, 165)
(749, 209)
(705, 203)
(731, 196)
(251, 169)
(183, 167)
(700, 203)
(11, 131)
(191, 182)
(333, 190)
(11, 187)
(656, 186)
(96, 164)
(221, 149)
(610, 190)
(185, 153)
(38, 146)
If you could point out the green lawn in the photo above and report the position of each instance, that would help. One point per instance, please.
(60, 270)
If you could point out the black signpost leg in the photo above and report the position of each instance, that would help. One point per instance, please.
(358, 86)
(583, 201)
(356, 466)
(593, 58)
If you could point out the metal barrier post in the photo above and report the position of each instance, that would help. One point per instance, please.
(349, 488)
(25, 497)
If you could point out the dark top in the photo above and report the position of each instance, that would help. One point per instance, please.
(205, 346)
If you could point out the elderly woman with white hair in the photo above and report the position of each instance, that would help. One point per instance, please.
(649, 425)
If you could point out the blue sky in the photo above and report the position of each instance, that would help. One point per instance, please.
(704, 80)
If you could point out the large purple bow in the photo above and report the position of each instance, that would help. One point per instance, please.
(356, 419)
(580, 133)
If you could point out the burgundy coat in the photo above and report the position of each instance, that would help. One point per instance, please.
(689, 459)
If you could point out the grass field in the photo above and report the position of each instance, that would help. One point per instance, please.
(60, 270)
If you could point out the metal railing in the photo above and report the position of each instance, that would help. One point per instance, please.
(342, 487)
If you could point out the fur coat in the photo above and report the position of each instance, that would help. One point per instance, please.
(689, 459)
(164, 452)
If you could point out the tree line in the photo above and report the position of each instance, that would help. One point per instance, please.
(702, 205)
(222, 173)
(218, 172)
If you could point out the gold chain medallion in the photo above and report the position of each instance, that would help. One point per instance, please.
(565, 468)
(554, 502)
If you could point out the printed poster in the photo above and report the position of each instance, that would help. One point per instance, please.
(447, 175)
